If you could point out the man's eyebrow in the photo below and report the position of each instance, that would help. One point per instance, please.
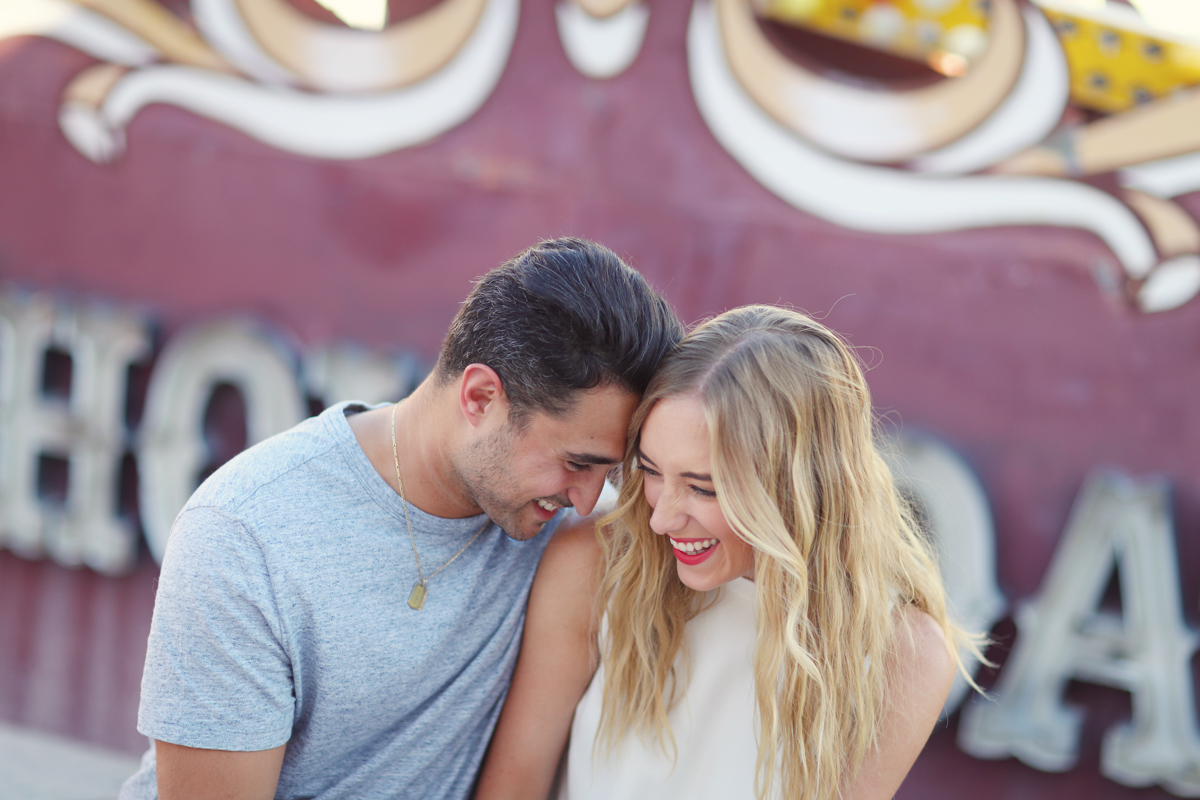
(591, 458)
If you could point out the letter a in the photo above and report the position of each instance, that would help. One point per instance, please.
(1062, 636)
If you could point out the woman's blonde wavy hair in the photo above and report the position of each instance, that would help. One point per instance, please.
(799, 475)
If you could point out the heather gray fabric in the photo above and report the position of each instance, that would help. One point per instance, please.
(282, 616)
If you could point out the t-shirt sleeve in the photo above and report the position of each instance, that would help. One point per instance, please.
(218, 675)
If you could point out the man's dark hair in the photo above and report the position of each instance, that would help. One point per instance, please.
(564, 315)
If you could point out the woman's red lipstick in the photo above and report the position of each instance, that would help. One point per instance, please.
(694, 558)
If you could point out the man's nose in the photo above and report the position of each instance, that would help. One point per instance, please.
(585, 494)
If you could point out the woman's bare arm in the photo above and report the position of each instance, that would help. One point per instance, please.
(922, 671)
(558, 659)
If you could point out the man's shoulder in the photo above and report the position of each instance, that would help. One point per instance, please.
(283, 463)
(258, 499)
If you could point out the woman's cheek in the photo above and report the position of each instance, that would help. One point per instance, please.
(652, 492)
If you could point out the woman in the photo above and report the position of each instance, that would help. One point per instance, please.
(819, 667)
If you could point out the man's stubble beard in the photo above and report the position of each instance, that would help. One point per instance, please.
(484, 470)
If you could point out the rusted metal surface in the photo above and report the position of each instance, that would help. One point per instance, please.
(72, 643)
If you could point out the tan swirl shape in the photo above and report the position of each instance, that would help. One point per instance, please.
(161, 29)
(865, 124)
(603, 8)
(338, 59)
(1169, 126)
(1174, 231)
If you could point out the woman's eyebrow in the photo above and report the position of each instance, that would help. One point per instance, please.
(696, 476)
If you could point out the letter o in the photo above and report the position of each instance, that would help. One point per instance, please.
(171, 449)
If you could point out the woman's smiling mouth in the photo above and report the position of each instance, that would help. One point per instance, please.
(693, 551)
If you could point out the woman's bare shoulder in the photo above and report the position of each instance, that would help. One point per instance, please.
(921, 672)
(921, 657)
(573, 547)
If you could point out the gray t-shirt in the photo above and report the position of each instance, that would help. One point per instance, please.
(282, 617)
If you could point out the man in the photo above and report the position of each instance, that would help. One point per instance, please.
(339, 609)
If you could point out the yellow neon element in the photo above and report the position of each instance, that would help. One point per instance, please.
(913, 29)
(1119, 59)
(797, 9)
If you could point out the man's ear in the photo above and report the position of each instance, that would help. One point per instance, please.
(481, 395)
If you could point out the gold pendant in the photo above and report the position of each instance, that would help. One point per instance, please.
(416, 600)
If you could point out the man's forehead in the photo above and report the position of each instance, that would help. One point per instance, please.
(593, 429)
(602, 404)
(615, 400)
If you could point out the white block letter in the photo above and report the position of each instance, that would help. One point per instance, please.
(88, 430)
(1062, 636)
(171, 450)
(346, 372)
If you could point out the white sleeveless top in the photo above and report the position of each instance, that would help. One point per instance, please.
(713, 722)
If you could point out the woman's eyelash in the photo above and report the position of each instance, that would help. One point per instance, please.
(707, 493)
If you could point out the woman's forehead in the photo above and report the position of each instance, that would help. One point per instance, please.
(675, 435)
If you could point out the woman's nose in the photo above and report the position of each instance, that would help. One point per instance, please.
(668, 515)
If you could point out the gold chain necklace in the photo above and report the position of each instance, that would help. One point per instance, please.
(416, 600)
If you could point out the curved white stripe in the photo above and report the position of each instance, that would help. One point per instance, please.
(221, 24)
(78, 27)
(883, 200)
(601, 47)
(89, 134)
(1171, 284)
(1027, 116)
(868, 124)
(332, 126)
(1167, 177)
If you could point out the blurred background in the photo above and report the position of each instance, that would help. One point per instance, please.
(219, 216)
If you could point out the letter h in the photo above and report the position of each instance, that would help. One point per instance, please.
(87, 430)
